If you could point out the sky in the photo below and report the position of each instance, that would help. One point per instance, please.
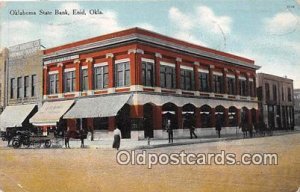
(267, 31)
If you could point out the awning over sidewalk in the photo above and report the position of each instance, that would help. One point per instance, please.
(51, 112)
(102, 106)
(14, 116)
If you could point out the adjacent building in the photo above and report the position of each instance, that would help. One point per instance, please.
(297, 106)
(137, 79)
(24, 80)
(3, 61)
(276, 101)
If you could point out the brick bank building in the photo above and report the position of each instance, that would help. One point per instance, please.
(137, 79)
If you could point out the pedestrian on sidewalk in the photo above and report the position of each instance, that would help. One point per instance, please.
(192, 132)
(218, 128)
(169, 129)
(117, 138)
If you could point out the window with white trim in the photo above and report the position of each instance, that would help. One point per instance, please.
(204, 82)
(231, 85)
(122, 74)
(167, 77)
(101, 77)
(187, 79)
(84, 79)
(53, 83)
(148, 73)
(70, 80)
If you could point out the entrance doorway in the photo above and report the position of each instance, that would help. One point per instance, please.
(123, 121)
(148, 120)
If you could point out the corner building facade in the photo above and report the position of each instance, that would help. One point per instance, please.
(137, 79)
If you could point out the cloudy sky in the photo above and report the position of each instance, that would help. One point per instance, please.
(267, 31)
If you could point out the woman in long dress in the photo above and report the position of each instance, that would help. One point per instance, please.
(117, 138)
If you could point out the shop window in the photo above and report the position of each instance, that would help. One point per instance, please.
(100, 123)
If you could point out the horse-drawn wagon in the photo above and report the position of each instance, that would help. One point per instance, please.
(28, 139)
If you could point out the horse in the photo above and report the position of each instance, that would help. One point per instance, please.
(81, 134)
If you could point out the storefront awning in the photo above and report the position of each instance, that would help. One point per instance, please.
(14, 116)
(102, 106)
(50, 113)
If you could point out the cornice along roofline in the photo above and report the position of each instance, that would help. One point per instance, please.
(135, 34)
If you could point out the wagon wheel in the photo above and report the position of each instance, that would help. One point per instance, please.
(26, 143)
(47, 143)
(16, 143)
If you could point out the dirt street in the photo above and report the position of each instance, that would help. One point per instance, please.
(96, 169)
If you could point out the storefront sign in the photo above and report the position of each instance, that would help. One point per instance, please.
(24, 50)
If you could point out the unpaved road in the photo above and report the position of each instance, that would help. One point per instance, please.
(96, 169)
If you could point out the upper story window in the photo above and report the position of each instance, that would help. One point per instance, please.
(122, 74)
(84, 79)
(251, 88)
(19, 87)
(148, 73)
(218, 83)
(187, 79)
(282, 94)
(101, 77)
(26, 86)
(231, 85)
(204, 81)
(33, 85)
(53, 83)
(167, 77)
(289, 94)
(267, 91)
(274, 93)
(12, 88)
(243, 86)
(70, 80)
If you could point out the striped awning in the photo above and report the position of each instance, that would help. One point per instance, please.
(51, 112)
(101, 106)
(14, 116)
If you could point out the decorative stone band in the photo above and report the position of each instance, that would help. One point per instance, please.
(100, 64)
(167, 64)
(186, 67)
(122, 60)
(148, 60)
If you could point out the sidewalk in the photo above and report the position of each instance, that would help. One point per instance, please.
(154, 143)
